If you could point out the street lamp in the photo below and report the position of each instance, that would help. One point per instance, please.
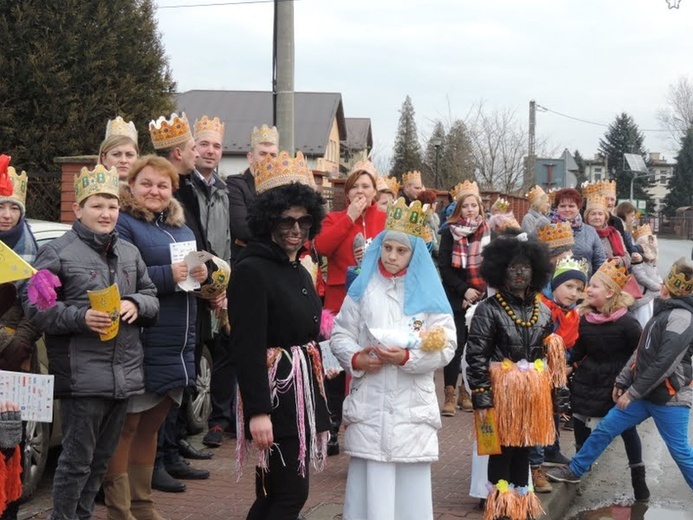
(436, 142)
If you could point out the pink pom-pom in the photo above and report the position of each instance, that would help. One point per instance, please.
(326, 324)
(41, 289)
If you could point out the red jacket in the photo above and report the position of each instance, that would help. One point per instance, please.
(335, 241)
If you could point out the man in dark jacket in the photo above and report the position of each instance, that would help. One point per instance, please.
(656, 382)
(96, 369)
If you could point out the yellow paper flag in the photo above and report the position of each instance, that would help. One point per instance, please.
(12, 266)
(107, 300)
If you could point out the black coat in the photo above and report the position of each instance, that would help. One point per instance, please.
(272, 303)
(185, 194)
(241, 189)
(494, 336)
(599, 354)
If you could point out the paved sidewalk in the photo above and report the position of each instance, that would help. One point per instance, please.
(221, 497)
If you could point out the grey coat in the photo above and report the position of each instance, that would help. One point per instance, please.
(532, 220)
(647, 276)
(589, 246)
(214, 214)
(83, 365)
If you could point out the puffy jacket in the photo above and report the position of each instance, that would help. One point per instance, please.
(391, 415)
(83, 365)
(660, 369)
(494, 336)
(169, 346)
(599, 354)
(589, 246)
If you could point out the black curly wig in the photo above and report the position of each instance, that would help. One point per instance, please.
(269, 206)
(502, 251)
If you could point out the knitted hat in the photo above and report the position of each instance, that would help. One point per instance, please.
(12, 186)
(568, 269)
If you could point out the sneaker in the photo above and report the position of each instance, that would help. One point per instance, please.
(541, 484)
(553, 459)
(213, 437)
(562, 474)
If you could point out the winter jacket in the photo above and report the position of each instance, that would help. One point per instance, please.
(609, 250)
(83, 365)
(274, 305)
(169, 346)
(391, 415)
(187, 195)
(336, 242)
(649, 280)
(532, 220)
(660, 369)
(599, 355)
(631, 246)
(494, 336)
(241, 192)
(213, 201)
(589, 246)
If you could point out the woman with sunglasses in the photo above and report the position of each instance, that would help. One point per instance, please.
(275, 318)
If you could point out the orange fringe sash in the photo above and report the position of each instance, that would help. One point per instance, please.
(506, 500)
(10, 478)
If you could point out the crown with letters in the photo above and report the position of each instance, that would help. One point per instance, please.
(677, 284)
(119, 126)
(572, 264)
(535, 194)
(613, 274)
(465, 188)
(642, 231)
(556, 235)
(167, 133)
(12, 186)
(596, 201)
(412, 176)
(206, 127)
(272, 172)
(98, 181)
(265, 135)
(501, 205)
(407, 219)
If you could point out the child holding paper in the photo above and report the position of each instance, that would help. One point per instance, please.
(93, 378)
(391, 412)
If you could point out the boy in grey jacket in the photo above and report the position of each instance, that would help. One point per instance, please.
(656, 382)
(93, 378)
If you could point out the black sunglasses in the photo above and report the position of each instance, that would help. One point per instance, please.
(304, 222)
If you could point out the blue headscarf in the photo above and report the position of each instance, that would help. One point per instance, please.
(423, 290)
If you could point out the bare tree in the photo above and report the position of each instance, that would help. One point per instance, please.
(677, 117)
(381, 157)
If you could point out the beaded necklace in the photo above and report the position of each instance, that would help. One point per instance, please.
(506, 307)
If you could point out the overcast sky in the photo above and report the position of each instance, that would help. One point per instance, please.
(591, 59)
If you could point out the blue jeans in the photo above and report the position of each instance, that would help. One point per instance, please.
(536, 453)
(671, 422)
(91, 428)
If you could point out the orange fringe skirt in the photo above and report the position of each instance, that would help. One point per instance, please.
(511, 502)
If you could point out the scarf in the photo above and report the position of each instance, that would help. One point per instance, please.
(575, 223)
(470, 236)
(598, 318)
(566, 321)
(21, 241)
(614, 237)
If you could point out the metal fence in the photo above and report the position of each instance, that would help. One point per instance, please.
(43, 196)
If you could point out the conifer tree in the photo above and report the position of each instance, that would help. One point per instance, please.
(681, 182)
(407, 152)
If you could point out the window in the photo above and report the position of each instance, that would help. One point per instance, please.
(597, 176)
(663, 179)
(598, 170)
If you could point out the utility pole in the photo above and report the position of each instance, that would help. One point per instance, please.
(531, 162)
(283, 73)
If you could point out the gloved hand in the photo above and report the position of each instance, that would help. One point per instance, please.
(561, 399)
(10, 425)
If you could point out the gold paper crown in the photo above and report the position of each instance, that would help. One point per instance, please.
(556, 235)
(596, 201)
(412, 176)
(677, 284)
(167, 133)
(264, 134)
(642, 231)
(571, 264)
(407, 219)
(607, 188)
(95, 182)
(19, 185)
(501, 205)
(589, 188)
(271, 172)
(219, 279)
(535, 194)
(118, 126)
(465, 188)
(552, 195)
(365, 166)
(206, 127)
(389, 184)
(613, 274)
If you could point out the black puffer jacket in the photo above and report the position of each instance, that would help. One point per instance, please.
(599, 354)
(494, 336)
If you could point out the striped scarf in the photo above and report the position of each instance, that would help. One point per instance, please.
(470, 236)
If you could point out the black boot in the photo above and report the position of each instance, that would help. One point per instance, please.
(333, 442)
(637, 477)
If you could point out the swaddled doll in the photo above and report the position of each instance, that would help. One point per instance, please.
(646, 274)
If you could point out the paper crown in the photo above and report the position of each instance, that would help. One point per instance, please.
(596, 201)
(118, 126)
(167, 133)
(601, 187)
(571, 264)
(501, 205)
(412, 176)
(272, 172)
(556, 235)
(96, 181)
(642, 231)
(552, 195)
(535, 194)
(218, 279)
(265, 135)
(613, 274)
(503, 221)
(12, 186)
(465, 188)
(365, 166)
(388, 184)
(677, 284)
(206, 127)
(407, 219)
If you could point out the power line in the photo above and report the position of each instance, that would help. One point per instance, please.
(544, 109)
(217, 4)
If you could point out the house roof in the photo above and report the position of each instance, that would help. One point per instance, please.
(314, 114)
(359, 133)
